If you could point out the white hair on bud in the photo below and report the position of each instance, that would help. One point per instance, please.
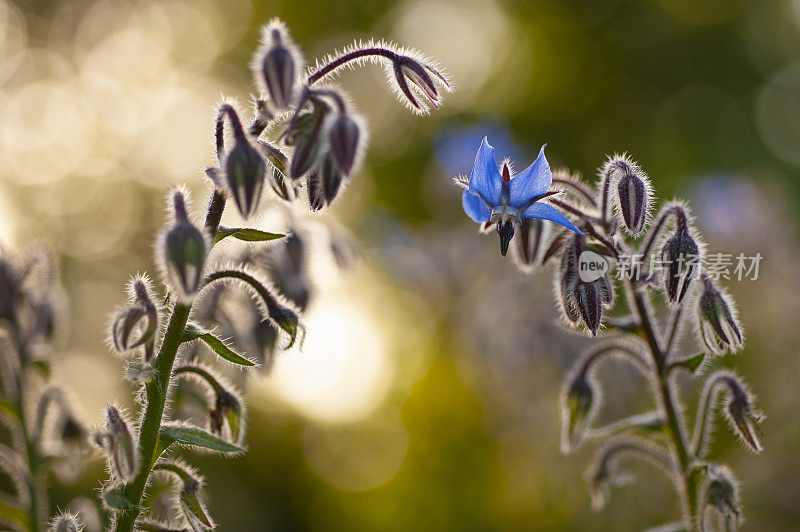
(615, 168)
(65, 521)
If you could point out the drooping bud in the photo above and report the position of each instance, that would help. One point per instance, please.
(527, 246)
(721, 493)
(135, 326)
(316, 195)
(421, 77)
(588, 298)
(634, 192)
(304, 135)
(245, 171)
(277, 65)
(332, 178)
(184, 249)
(577, 405)
(567, 278)
(506, 232)
(227, 408)
(188, 500)
(119, 445)
(681, 258)
(743, 418)
(65, 522)
(344, 137)
(716, 320)
(605, 470)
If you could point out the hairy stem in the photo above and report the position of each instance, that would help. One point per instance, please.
(346, 58)
(38, 495)
(157, 390)
(666, 400)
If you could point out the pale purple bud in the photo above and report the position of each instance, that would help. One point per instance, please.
(633, 198)
(717, 322)
(721, 492)
(184, 249)
(344, 136)
(332, 178)
(245, 171)
(681, 256)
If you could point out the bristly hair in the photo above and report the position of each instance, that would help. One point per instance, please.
(421, 108)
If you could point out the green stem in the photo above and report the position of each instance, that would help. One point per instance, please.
(157, 390)
(38, 496)
(666, 401)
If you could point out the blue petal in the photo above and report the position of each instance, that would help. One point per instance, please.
(532, 182)
(485, 179)
(547, 212)
(475, 207)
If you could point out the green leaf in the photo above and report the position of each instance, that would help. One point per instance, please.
(186, 435)
(246, 234)
(193, 509)
(690, 364)
(116, 498)
(194, 332)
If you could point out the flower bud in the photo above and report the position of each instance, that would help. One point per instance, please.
(227, 408)
(118, 444)
(567, 279)
(183, 248)
(245, 171)
(316, 195)
(332, 178)
(743, 419)
(717, 323)
(421, 76)
(589, 298)
(527, 246)
(633, 193)
(721, 493)
(278, 63)
(306, 151)
(128, 320)
(344, 136)
(65, 522)
(577, 401)
(681, 256)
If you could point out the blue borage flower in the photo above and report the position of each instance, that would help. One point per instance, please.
(505, 200)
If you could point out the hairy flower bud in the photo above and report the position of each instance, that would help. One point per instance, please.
(344, 137)
(316, 194)
(183, 248)
(227, 408)
(567, 278)
(633, 196)
(721, 492)
(578, 401)
(421, 76)
(277, 65)
(528, 246)
(589, 298)
(743, 418)
(245, 171)
(681, 256)
(716, 320)
(65, 522)
(332, 178)
(119, 445)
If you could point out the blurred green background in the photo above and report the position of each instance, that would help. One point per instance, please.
(427, 396)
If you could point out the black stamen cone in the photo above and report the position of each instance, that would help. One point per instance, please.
(506, 232)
